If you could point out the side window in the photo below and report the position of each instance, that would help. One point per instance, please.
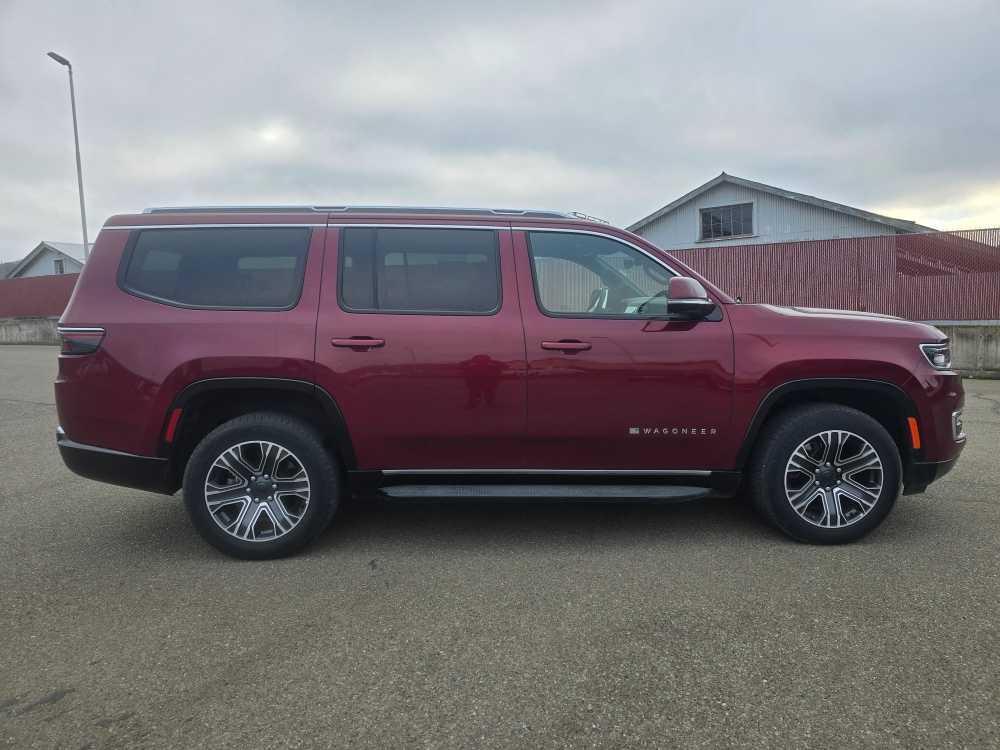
(587, 275)
(726, 221)
(232, 269)
(419, 270)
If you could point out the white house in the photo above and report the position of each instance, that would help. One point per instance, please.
(730, 210)
(48, 259)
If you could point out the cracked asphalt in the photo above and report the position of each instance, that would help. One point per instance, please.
(530, 626)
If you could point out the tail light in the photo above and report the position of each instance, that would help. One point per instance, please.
(80, 340)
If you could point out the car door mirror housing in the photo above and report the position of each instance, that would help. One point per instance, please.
(687, 298)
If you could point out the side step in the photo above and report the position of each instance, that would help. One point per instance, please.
(624, 492)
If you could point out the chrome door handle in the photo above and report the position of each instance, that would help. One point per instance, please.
(566, 345)
(358, 342)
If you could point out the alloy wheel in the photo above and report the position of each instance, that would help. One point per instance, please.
(833, 479)
(257, 491)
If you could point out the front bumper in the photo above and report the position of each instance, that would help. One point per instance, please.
(115, 467)
(920, 474)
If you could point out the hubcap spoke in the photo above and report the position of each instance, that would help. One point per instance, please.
(271, 457)
(831, 509)
(859, 494)
(225, 496)
(246, 498)
(833, 479)
(291, 486)
(805, 497)
(279, 517)
(243, 526)
(867, 459)
(832, 442)
(802, 462)
(233, 461)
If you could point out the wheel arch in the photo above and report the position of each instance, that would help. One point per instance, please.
(885, 402)
(207, 403)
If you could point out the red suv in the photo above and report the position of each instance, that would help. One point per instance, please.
(271, 360)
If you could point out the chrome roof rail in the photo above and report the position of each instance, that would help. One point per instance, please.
(344, 209)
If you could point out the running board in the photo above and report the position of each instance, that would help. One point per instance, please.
(644, 492)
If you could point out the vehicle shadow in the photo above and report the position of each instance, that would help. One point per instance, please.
(522, 524)
(365, 525)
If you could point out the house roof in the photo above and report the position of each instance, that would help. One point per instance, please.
(900, 224)
(7, 267)
(72, 250)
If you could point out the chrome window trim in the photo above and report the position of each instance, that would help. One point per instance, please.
(383, 225)
(209, 226)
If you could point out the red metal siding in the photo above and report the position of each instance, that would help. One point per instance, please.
(36, 296)
(926, 276)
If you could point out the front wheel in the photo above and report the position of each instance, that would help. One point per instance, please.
(825, 474)
(261, 486)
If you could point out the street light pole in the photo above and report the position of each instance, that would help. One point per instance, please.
(76, 140)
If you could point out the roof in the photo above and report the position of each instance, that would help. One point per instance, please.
(72, 250)
(900, 224)
(7, 267)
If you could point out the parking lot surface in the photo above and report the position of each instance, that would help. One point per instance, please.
(527, 626)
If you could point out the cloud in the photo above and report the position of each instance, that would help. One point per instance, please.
(609, 108)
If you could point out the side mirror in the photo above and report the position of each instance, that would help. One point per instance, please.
(686, 298)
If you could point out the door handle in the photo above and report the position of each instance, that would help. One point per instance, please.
(566, 345)
(358, 342)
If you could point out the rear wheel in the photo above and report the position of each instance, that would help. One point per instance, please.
(261, 486)
(825, 474)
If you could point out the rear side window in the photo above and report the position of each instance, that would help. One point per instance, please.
(453, 271)
(232, 269)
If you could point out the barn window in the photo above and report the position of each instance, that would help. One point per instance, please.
(727, 221)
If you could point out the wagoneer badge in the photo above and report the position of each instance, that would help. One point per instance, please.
(671, 431)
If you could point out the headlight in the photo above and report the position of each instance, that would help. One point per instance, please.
(938, 355)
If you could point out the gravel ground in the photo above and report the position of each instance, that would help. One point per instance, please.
(488, 626)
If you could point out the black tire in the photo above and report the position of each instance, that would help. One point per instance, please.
(305, 445)
(777, 443)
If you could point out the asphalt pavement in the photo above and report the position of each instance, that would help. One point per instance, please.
(526, 626)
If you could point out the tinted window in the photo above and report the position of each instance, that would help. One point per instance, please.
(582, 274)
(420, 270)
(225, 268)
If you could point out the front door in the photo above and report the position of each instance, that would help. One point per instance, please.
(419, 341)
(610, 386)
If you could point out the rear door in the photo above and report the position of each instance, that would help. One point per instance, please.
(609, 385)
(419, 341)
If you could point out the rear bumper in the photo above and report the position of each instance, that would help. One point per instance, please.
(920, 474)
(115, 467)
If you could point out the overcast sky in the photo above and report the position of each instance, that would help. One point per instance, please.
(613, 109)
